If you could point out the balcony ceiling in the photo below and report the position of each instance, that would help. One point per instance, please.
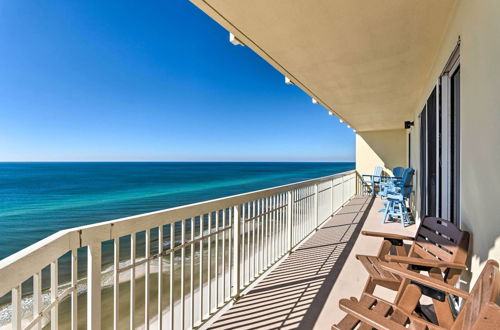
(366, 61)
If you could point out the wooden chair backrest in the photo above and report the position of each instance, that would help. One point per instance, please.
(481, 310)
(440, 239)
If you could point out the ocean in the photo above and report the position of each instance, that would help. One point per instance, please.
(39, 199)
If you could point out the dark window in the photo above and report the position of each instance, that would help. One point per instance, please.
(431, 154)
(423, 162)
(440, 154)
(455, 147)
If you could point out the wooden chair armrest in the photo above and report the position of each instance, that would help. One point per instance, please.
(368, 316)
(425, 262)
(422, 279)
(386, 235)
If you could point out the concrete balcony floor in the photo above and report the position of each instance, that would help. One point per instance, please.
(303, 291)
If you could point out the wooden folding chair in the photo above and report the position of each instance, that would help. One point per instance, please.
(479, 311)
(439, 247)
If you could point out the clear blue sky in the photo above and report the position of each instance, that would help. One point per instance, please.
(147, 80)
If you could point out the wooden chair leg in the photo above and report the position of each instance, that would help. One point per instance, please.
(408, 301)
(442, 308)
(401, 290)
(369, 286)
(401, 250)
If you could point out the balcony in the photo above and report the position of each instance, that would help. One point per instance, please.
(219, 261)
(304, 290)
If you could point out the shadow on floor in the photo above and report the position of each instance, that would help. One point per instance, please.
(293, 295)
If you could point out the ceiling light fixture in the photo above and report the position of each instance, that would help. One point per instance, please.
(235, 41)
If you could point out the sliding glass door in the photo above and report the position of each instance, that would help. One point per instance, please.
(440, 147)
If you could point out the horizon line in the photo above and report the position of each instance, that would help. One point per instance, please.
(172, 161)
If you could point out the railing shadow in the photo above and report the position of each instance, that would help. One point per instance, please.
(294, 293)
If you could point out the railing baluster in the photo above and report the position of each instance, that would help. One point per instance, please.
(281, 225)
(263, 250)
(191, 271)
(209, 265)
(254, 214)
(147, 253)
(246, 246)
(132, 280)
(183, 257)
(93, 286)
(74, 294)
(289, 206)
(37, 297)
(236, 250)
(300, 205)
(298, 220)
(270, 231)
(224, 256)
(116, 283)
(267, 217)
(273, 230)
(171, 276)
(259, 233)
(316, 206)
(242, 242)
(216, 271)
(160, 277)
(230, 251)
(332, 201)
(343, 190)
(201, 269)
(16, 307)
(248, 223)
(54, 312)
(305, 214)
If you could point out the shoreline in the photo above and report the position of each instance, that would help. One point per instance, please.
(107, 296)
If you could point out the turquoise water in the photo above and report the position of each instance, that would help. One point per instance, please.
(39, 199)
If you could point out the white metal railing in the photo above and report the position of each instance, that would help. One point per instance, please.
(206, 254)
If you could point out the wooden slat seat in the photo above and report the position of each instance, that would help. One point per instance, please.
(438, 247)
(480, 310)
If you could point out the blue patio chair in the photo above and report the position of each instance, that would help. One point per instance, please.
(372, 180)
(397, 198)
(389, 182)
(398, 171)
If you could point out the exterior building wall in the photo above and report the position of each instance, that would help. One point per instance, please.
(380, 148)
(477, 24)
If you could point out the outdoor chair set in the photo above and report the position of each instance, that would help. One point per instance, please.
(431, 267)
(396, 189)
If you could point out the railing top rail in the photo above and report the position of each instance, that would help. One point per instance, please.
(36, 256)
